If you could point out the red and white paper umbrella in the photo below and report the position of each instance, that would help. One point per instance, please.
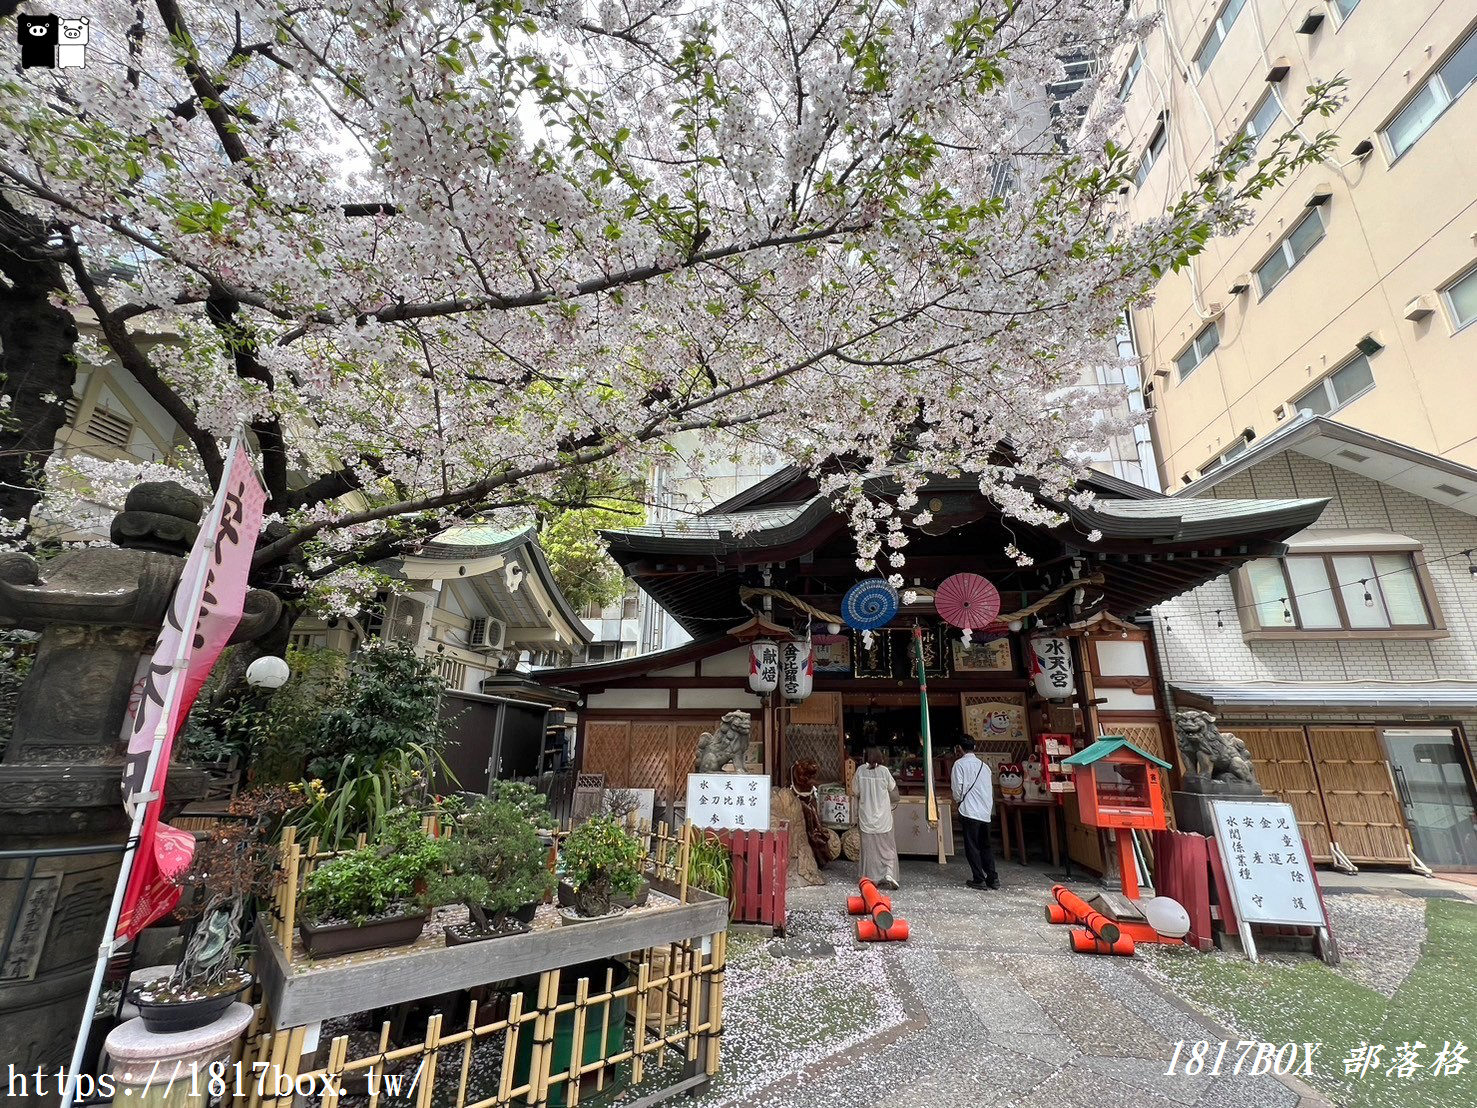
(968, 601)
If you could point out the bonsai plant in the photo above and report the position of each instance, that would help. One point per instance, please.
(229, 870)
(370, 897)
(601, 860)
(495, 866)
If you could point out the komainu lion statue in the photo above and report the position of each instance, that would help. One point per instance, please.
(729, 743)
(1216, 761)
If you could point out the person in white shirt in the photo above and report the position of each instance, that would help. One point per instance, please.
(974, 797)
(877, 796)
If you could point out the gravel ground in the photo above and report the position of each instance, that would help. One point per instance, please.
(1379, 937)
(983, 1006)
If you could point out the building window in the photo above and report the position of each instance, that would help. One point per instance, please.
(1130, 74)
(1294, 247)
(1436, 94)
(1338, 592)
(1151, 155)
(1237, 447)
(1349, 382)
(1461, 299)
(1219, 29)
(1345, 8)
(1198, 350)
(1263, 119)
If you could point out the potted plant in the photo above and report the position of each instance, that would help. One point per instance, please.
(495, 865)
(230, 869)
(370, 897)
(601, 861)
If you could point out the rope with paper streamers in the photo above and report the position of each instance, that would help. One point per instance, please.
(749, 593)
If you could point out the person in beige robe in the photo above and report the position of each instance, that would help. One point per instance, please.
(876, 796)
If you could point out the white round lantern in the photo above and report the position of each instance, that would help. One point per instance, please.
(797, 669)
(1167, 917)
(1051, 667)
(764, 666)
(268, 672)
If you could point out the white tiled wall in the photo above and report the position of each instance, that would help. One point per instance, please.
(1194, 650)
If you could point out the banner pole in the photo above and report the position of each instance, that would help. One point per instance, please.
(109, 945)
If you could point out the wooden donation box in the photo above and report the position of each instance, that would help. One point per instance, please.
(1118, 785)
(1118, 790)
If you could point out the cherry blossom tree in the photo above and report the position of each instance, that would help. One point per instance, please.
(437, 255)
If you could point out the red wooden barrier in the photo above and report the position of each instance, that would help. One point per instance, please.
(761, 868)
(1182, 863)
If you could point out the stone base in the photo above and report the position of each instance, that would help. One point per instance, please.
(1192, 811)
(143, 1061)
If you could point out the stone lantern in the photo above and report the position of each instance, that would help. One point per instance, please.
(99, 611)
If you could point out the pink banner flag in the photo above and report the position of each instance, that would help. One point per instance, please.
(207, 607)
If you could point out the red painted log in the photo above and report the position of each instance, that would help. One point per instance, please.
(1085, 942)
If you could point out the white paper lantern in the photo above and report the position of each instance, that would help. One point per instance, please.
(764, 666)
(1051, 667)
(797, 669)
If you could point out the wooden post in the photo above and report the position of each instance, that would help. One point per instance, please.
(543, 1037)
(428, 1062)
(577, 1046)
(510, 1049)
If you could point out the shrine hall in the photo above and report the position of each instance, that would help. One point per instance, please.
(1067, 660)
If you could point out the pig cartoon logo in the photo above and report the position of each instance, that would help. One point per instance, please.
(38, 36)
(71, 47)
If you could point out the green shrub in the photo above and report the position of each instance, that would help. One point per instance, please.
(533, 804)
(601, 859)
(376, 880)
(495, 863)
(710, 865)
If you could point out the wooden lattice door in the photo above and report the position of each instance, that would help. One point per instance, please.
(1364, 813)
(1284, 769)
(608, 751)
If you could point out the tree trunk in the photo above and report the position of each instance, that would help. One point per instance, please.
(37, 370)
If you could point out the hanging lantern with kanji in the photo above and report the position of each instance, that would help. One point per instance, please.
(1051, 667)
(797, 669)
(764, 666)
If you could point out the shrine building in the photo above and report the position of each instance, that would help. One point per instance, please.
(1069, 656)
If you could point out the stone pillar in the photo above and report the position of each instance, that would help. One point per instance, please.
(99, 611)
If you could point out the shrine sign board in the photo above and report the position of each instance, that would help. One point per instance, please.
(1270, 874)
(739, 801)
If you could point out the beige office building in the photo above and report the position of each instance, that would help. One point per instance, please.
(1353, 292)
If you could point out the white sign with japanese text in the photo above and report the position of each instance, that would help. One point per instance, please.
(739, 801)
(1270, 873)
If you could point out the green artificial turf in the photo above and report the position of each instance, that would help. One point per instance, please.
(1305, 1001)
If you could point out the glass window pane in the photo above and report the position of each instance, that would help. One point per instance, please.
(1351, 569)
(1263, 119)
(1462, 297)
(1272, 270)
(1305, 234)
(1412, 123)
(1402, 591)
(1460, 69)
(1345, 7)
(1207, 341)
(1353, 379)
(1315, 400)
(1316, 607)
(1268, 587)
(1186, 362)
(1208, 51)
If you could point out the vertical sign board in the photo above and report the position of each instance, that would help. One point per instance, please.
(1267, 867)
(738, 801)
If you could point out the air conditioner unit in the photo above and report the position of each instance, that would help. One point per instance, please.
(403, 618)
(1240, 284)
(486, 633)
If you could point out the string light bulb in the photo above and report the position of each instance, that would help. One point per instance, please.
(1218, 620)
(1368, 596)
(1471, 565)
(1286, 611)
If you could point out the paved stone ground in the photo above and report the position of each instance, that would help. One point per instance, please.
(983, 1006)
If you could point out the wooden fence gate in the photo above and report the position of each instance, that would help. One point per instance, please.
(761, 870)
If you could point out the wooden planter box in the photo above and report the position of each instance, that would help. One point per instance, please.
(305, 992)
